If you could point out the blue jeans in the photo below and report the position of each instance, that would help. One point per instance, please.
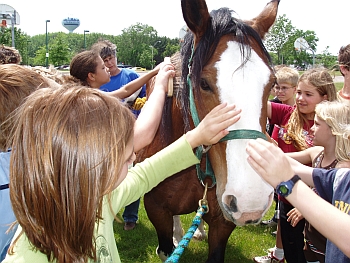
(131, 212)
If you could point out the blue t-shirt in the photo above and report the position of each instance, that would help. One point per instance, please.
(124, 77)
(7, 216)
(333, 186)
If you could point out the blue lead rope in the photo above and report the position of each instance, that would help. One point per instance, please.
(175, 256)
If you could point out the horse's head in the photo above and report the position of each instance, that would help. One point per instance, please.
(228, 62)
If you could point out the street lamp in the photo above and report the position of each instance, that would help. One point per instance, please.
(85, 31)
(28, 41)
(158, 41)
(47, 47)
(152, 55)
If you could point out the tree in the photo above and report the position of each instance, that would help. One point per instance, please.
(278, 36)
(280, 40)
(327, 60)
(60, 53)
(133, 41)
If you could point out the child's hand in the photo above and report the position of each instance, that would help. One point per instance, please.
(269, 162)
(166, 71)
(214, 126)
(294, 216)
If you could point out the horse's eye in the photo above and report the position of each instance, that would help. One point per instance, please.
(204, 85)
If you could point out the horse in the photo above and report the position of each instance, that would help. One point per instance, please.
(222, 59)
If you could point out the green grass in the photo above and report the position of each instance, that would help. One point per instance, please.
(140, 244)
(339, 85)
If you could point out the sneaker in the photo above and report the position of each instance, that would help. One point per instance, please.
(268, 259)
(129, 225)
(269, 222)
(274, 233)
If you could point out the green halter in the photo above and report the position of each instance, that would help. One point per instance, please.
(233, 135)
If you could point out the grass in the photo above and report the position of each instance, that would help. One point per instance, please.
(140, 244)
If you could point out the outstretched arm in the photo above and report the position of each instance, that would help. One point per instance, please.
(147, 122)
(272, 165)
(131, 87)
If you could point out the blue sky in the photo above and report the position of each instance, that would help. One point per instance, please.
(327, 19)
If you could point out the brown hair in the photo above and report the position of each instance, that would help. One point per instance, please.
(16, 83)
(105, 48)
(69, 150)
(322, 80)
(9, 55)
(82, 64)
(344, 57)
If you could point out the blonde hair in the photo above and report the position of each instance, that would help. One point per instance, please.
(287, 75)
(69, 150)
(16, 83)
(337, 116)
(322, 80)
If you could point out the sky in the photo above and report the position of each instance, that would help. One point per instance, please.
(327, 18)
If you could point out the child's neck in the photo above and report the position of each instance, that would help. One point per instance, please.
(289, 102)
(346, 88)
(328, 156)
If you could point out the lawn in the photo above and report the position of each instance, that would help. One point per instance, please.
(139, 245)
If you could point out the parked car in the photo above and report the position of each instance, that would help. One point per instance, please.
(138, 69)
(124, 66)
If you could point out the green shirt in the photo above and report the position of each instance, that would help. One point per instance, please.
(140, 180)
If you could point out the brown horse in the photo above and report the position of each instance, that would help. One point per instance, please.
(222, 59)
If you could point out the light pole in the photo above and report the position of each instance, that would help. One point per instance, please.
(28, 41)
(47, 47)
(158, 41)
(85, 31)
(152, 56)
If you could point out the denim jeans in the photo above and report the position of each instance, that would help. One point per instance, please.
(131, 212)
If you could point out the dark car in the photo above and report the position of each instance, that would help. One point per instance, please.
(124, 66)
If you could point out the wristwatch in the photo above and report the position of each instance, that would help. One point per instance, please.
(285, 188)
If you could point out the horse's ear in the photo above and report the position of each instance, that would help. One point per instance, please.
(265, 19)
(196, 16)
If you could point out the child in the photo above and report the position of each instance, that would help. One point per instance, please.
(89, 68)
(69, 171)
(16, 83)
(285, 88)
(332, 185)
(292, 133)
(330, 151)
(344, 67)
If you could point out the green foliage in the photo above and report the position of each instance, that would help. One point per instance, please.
(280, 41)
(132, 43)
(60, 53)
(278, 36)
(327, 60)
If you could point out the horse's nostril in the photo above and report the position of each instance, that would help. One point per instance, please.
(231, 203)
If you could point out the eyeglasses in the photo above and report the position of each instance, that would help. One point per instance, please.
(283, 89)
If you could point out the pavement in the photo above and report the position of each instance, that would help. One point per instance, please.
(338, 79)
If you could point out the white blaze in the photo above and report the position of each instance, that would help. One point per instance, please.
(243, 87)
